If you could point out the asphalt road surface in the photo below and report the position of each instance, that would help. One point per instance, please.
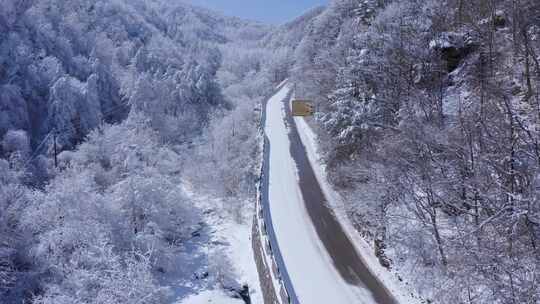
(339, 247)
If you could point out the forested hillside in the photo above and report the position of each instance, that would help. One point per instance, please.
(128, 91)
(109, 56)
(428, 117)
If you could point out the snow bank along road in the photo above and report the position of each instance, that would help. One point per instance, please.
(321, 262)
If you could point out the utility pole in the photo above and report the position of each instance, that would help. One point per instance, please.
(55, 134)
(55, 149)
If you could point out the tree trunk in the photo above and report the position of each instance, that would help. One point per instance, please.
(440, 245)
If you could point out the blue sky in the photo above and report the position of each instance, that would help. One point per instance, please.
(268, 11)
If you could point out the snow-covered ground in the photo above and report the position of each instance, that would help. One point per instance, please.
(389, 279)
(228, 250)
(211, 296)
(308, 264)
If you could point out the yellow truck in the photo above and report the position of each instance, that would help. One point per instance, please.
(302, 108)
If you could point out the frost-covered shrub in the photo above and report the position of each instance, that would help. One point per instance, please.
(15, 146)
(14, 280)
(98, 275)
(228, 153)
(75, 109)
(110, 219)
(16, 141)
(13, 109)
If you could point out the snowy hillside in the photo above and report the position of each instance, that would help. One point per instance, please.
(428, 127)
(69, 65)
(132, 153)
(106, 108)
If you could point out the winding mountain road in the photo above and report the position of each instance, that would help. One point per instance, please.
(322, 264)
